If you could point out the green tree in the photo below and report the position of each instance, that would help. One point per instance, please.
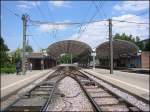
(136, 40)
(65, 58)
(29, 48)
(124, 37)
(16, 56)
(3, 53)
(147, 46)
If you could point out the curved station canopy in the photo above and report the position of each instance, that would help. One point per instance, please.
(121, 48)
(73, 47)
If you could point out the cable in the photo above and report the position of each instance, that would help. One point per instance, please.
(34, 40)
(49, 11)
(79, 23)
(17, 15)
(64, 23)
(84, 18)
(134, 17)
(88, 23)
(97, 8)
(83, 24)
(100, 5)
(129, 21)
(42, 14)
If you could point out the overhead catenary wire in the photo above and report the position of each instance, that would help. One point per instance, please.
(98, 10)
(67, 23)
(129, 21)
(33, 39)
(80, 27)
(49, 10)
(63, 23)
(37, 23)
(101, 7)
(14, 13)
(40, 11)
(88, 23)
(85, 27)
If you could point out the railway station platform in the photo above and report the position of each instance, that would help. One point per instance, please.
(135, 83)
(12, 82)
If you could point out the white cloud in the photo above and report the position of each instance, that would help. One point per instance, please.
(27, 4)
(131, 28)
(117, 7)
(48, 27)
(132, 6)
(97, 33)
(60, 3)
(23, 6)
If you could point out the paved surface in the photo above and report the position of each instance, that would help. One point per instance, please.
(12, 82)
(132, 82)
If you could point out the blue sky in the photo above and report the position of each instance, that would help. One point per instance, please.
(71, 11)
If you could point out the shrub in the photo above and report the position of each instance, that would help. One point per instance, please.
(8, 70)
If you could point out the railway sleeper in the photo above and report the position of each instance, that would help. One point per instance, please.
(114, 107)
(24, 104)
(25, 108)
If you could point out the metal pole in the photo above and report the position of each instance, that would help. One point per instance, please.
(24, 19)
(111, 46)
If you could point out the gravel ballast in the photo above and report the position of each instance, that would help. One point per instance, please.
(69, 97)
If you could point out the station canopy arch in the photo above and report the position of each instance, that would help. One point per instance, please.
(76, 48)
(121, 48)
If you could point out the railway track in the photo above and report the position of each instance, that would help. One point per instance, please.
(39, 97)
(103, 99)
(97, 91)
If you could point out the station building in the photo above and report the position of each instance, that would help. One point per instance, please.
(39, 61)
(125, 54)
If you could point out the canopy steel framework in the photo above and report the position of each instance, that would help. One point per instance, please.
(120, 48)
(73, 47)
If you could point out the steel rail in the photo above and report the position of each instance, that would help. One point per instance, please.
(96, 107)
(44, 108)
(28, 93)
(17, 90)
(127, 103)
(136, 96)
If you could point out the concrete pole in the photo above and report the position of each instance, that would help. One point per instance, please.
(24, 19)
(111, 46)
